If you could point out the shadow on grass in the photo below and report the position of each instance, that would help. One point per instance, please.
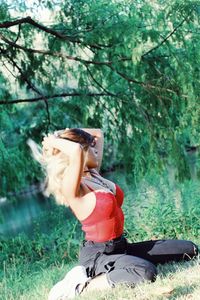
(182, 290)
(171, 268)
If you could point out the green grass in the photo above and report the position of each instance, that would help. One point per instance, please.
(25, 281)
(175, 281)
(153, 208)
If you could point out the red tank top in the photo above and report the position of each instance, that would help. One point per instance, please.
(106, 222)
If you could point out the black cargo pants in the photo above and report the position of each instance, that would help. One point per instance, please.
(131, 263)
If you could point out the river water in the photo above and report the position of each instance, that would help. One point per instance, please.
(17, 215)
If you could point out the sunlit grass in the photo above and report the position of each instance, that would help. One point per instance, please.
(175, 281)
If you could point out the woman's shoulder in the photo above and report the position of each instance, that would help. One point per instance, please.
(83, 205)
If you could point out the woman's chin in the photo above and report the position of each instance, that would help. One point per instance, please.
(92, 165)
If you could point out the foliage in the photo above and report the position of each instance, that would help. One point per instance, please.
(129, 67)
(160, 209)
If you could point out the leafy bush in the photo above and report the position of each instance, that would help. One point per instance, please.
(158, 209)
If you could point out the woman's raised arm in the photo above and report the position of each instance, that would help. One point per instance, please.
(71, 177)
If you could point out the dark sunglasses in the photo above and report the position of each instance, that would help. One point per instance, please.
(93, 143)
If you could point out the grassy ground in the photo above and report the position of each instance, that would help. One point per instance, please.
(153, 210)
(175, 281)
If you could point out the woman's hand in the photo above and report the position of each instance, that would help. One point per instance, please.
(49, 141)
(53, 145)
(49, 145)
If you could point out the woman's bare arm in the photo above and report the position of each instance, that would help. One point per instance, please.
(72, 175)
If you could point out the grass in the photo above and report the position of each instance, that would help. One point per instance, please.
(175, 281)
(151, 211)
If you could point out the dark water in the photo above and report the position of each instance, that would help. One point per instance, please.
(18, 215)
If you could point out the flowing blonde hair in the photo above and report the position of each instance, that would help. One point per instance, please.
(54, 162)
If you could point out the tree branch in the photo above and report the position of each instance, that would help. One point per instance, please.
(59, 54)
(166, 38)
(29, 20)
(146, 85)
(97, 83)
(89, 62)
(125, 76)
(55, 33)
(72, 94)
(32, 87)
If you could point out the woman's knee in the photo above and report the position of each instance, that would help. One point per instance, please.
(132, 270)
(192, 250)
(187, 249)
(150, 272)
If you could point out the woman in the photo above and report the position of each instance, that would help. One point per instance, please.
(72, 159)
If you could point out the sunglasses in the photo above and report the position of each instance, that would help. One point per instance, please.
(93, 143)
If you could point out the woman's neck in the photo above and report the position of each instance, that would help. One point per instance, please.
(86, 173)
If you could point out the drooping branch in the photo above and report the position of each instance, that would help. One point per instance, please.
(97, 83)
(90, 62)
(32, 87)
(145, 85)
(166, 38)
(57, 34)
(62, 95)
(30, 21)
(125, 76)
(18, 34)
(59, 54)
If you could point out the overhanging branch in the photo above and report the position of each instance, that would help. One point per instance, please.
(59, 54)
(97, 83)
(32, 87)
(57, 34)
(72, 94)
(30, 21)
(166, 38)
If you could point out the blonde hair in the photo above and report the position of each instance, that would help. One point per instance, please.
(54, 162)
